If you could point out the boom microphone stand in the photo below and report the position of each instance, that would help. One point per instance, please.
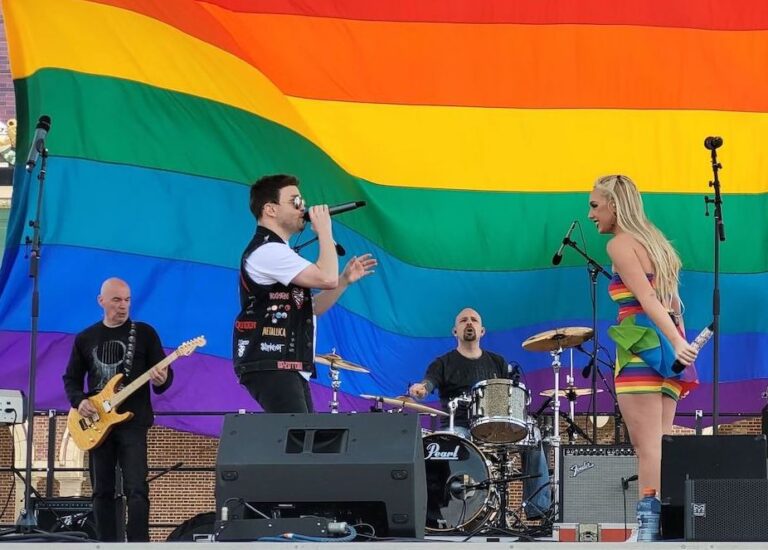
(712, 143)
(27, 520)
(594, 269)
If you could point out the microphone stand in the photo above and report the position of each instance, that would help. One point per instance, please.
(594, 269)
(27, 522)
(718, 237)
(617, 418)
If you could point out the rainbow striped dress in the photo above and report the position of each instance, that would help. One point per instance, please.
(644, 356)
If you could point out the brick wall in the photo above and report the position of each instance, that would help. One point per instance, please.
(174, 497)
(7, 97)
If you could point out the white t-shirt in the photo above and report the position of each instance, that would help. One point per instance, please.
(277, 262)
(274, 263)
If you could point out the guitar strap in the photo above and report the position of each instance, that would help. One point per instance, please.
(128, 363)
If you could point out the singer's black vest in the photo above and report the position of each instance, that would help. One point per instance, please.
(275, 327)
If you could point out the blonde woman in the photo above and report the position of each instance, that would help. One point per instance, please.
(650, 334)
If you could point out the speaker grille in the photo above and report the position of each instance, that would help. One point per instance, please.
(590, 484)
(726, 510)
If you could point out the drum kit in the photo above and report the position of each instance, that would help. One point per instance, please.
(468, 473)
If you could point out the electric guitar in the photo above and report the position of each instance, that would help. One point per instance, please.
(88, 432)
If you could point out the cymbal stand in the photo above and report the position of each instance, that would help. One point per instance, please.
(555, 441)
(571, 396)
(335, 377)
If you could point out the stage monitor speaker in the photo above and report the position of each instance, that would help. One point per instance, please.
(593, 481)
(358, 468)
(732, 510)
(704, 457)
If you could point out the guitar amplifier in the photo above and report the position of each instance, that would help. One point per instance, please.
(726, 510)
(64, 514)
(592, 484)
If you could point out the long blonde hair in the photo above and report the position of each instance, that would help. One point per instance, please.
(622, 192)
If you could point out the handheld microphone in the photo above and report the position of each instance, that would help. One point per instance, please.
(558, 257)
(713, 142)
(698, 343)
(339, 208)
(38, 141)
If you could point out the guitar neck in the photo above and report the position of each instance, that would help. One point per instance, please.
(127, 391)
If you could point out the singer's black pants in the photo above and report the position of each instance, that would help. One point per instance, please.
(279, 391)
(126, 445)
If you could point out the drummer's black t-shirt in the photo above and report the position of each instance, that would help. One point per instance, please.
(453, 375)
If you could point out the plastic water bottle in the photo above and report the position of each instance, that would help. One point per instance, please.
(648, 517)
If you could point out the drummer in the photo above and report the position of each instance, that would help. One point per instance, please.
(453, 375)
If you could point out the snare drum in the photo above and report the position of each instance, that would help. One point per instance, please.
(454, 464)
(498, 413)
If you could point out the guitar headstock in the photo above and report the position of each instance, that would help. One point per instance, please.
(190, 345)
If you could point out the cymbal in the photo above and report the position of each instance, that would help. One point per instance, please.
(405, 403)
(336, 362)
(578, 392)
(565, 337)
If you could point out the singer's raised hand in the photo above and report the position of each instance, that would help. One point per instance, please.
(358, 267)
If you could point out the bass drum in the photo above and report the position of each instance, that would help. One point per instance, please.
(454, 466)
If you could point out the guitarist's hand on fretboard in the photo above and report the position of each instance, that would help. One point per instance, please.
(86, 408)
(158, 376)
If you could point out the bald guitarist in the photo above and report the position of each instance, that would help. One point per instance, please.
(118, 345)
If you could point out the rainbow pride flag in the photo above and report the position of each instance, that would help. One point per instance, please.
(474, 130)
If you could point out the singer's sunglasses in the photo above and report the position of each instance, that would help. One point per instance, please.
(298, 202)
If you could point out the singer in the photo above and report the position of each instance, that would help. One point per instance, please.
(273, 341)
(650, 333)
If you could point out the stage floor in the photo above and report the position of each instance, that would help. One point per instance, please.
(476, 544)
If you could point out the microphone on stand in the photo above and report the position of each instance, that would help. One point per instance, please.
(340, 208)
(713, 142)
(514, 372)
(558, 257)
(38, 141)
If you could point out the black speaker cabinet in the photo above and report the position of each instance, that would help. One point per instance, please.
(64, 514)
(726, 510)
(358, 468)
(591, 489)
(704, 457)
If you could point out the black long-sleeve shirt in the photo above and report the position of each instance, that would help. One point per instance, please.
(99, 353)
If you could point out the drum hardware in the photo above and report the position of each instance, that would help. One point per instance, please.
(571, 393)
(554, 341)
(453, 406)
(335, 362)
(619, 422)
